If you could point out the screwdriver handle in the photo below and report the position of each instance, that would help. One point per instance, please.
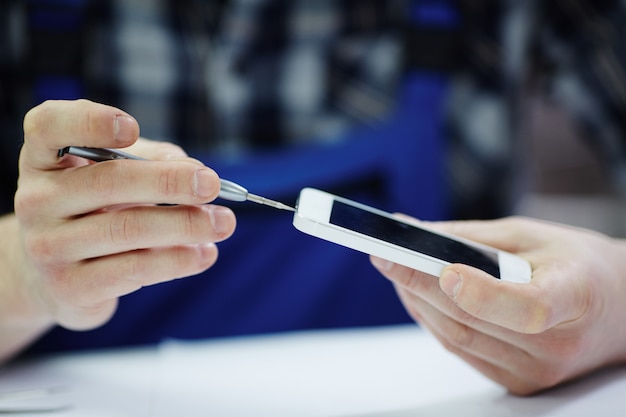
(232, 191)
(228, 189)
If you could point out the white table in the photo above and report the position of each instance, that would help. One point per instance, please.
(380, 372)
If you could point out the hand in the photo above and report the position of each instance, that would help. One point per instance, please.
(569, 321)
(92, 231)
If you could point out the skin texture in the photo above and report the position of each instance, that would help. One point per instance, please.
(566, 323)
(85, 233)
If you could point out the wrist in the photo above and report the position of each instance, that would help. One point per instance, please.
(614, 309)
(23, 314)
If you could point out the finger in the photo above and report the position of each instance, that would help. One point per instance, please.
(85, 189)
(458, 336)
(512, 234)
(518, 307)
(90, 287)
(129, 229)
(56, 124)
(429, 289)
(507, 317)
(522, 360)
(470, 347)
(137, 269)
(156, 150)
(503, 358)
(424, 298)
(525, 308)
(426, 288)
(412, 279)
(432, 290)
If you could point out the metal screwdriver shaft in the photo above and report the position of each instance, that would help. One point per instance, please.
(234, 192)
(267, 202)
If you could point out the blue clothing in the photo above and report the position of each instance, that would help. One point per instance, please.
(338, 101)
(270, 277)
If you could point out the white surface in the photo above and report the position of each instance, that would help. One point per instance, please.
(382, 372)
(311, 374)
(118, 383)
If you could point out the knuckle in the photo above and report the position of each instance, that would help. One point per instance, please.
(125, 227)
(90, 125)
(573, 349)
(562, 349)
(460, 337)
(168, 182)
(36, 248)
(35, 119)
(190, 224)
(132, 268)
(103, 180)
(58, 283)
(30, 199)
(416, 281)
(24, 204)
(97, 121)
(190, 220)
(183, 259)
(559, 354)
(22, 201)
(538, 318)
(140, 271)
(42, 248)
(166, 149)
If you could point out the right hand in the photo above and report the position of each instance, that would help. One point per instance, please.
(92, 232)
(566, 323)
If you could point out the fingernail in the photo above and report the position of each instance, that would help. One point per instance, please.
(125, 128)
(451, 282)
(220, 219)
(204, 183)
(382, 265)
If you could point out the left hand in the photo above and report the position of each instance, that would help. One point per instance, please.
(94, 232)
(567, 322)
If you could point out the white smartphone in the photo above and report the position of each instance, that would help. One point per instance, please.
(375, 232)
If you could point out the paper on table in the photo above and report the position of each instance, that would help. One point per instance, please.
(116, 383)
(44, 399)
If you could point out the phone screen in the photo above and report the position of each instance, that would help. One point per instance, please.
(414, 238)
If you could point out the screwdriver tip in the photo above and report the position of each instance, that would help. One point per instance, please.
(271, 203)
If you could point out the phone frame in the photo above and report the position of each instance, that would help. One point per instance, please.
(312, 216)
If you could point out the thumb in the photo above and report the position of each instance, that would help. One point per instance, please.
(56, 124)
(525, 308)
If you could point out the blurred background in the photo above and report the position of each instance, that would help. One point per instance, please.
(441, 109)
(569, 180)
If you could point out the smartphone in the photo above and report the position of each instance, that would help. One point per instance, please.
(375, 232)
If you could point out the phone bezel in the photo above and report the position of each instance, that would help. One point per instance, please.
(312, 216)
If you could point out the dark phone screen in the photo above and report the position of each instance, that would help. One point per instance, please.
(414, 238)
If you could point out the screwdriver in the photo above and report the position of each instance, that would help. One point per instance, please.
(228, 190)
